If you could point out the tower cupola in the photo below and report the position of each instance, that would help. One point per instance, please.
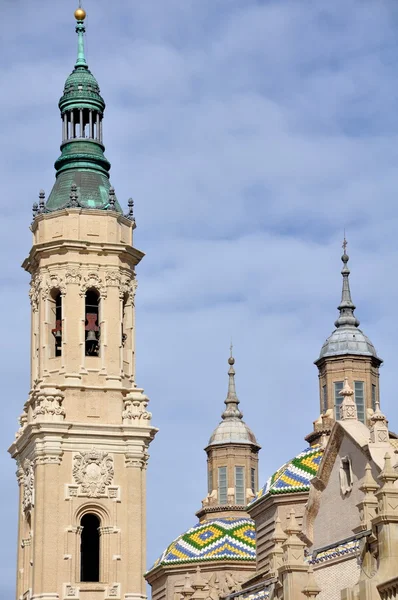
(232, 458)
(82, 161)
(347, 355)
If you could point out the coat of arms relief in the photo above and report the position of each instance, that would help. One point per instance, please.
(93, 471)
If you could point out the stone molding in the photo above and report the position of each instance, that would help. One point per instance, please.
(93, 471)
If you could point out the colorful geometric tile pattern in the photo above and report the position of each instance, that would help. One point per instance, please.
(341, 549)
(295, 475)
(218, 539)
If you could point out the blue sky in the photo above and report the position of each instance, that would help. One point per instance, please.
(250, 134)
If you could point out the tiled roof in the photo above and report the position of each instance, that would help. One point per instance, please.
(341, 549)
(259, 595)
(218, 539)
(295, 475)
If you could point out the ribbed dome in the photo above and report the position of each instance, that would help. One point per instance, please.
(347, 340)
(232, 431)
(81, 91)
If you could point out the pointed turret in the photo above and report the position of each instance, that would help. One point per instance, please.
(232, 458)
(82, 161)
(347, 354)
(232, 429)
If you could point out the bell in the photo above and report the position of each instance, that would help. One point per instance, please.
(91, 336)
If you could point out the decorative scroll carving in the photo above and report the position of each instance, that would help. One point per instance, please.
(34, 292)
(112, 278)
(93, 471)
(135, 408)
(73, 276)
(28, 485)
(128, 286)
(48, 405)
(53, 282)
(92, 280)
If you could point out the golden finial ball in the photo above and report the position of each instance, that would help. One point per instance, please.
(80, 14)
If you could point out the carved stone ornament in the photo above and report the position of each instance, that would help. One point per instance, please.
(28, 485)
(113, 591)
(135, 408)
(34, 292)
(112, 278)
(73, 276)
(93, 471)
(71, 592)
(53, 282)
(23, 421)
(128, 286)
(92, 280)
(48, 405)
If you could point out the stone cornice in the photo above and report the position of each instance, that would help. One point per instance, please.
(119, 438)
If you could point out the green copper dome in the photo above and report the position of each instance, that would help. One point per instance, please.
(81, 90)
(82, 164)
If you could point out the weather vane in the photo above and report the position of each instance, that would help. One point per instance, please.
(344, 243)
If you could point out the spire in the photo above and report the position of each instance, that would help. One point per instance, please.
(346, 306)
(80, 15)
(82, 161)
(232, 411)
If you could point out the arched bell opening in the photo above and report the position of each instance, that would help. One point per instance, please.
(90, 548)
(92, 326)
(55, 301)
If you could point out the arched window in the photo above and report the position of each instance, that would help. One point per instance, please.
(56, 321)
(90, 548)
(92, 328)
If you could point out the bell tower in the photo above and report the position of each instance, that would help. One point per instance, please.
(82, 446)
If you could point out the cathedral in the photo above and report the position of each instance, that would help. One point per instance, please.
(324, 525)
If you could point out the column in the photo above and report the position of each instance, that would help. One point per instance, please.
(81, 123)
(72, 123)
(90, 126)
(97, 129)
(100, 130)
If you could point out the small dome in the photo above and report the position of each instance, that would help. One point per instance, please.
(347, 340)
(232, 431)
(217, 539)
(81, 90)
(295, 475)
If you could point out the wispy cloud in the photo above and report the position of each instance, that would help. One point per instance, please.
(250, 134)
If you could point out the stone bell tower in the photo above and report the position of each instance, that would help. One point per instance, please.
(82, 446)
